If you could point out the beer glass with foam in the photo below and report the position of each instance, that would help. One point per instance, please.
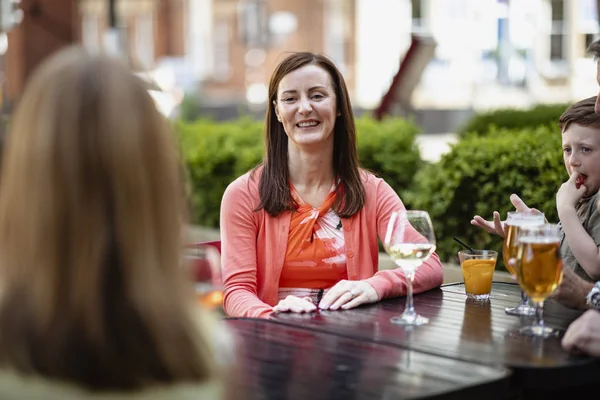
(539, 270)
(514, 221)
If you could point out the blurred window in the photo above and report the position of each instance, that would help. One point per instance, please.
(418, 22)
(558, 30)
(589, 39)
(222, 41)
(556, 47)
(558, 10)
(144, 40)
(90, 33)
(337, 32)
(253, 23)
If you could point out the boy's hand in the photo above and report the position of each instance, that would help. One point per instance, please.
(570, 193)
(496, 226)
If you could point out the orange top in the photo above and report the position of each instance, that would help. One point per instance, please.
(316, 256)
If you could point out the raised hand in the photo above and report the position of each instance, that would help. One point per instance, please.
(496, 225)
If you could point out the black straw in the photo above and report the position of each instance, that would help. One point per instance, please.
(466, 246)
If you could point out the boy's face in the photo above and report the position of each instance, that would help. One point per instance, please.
(581, 153)
(597, 108)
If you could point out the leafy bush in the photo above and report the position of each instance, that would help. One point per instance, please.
(189, 107)
(476, 178)
(541, 114)
(215, 153)
(389, 149)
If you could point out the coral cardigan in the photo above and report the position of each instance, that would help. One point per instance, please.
(254, 246)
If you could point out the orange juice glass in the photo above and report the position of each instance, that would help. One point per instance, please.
(478, 272)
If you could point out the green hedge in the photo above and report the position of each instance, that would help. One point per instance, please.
(541, 114)
(475, 177)
(389, 149)
(478, 175)
(215, 153)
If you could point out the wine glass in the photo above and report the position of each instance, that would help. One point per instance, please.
(539, 266)
(409, 241)
(514, 221)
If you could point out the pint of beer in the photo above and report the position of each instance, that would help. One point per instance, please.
(515, 220)
(539, 261)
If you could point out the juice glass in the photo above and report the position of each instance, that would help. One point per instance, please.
(478, 272)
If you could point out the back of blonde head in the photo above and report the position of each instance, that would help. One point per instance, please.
(91, 213)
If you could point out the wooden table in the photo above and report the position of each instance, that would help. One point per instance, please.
(287, 362)
(460, 329)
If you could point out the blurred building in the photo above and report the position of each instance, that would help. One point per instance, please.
(249, 37)
(148, 31)
(488, 53)
(493, 53)
(41, 28)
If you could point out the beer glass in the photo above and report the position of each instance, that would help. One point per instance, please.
(409, 241)
(539, 268)
(514, 221)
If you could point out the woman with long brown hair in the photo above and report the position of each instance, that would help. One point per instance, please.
(300, 231)
(91, 222)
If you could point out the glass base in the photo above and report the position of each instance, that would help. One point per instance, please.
(479, 297)
(409, 319)
(521, 309)
(539, 330)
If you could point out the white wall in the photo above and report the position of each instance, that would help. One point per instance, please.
(198, 41)
(382, 38)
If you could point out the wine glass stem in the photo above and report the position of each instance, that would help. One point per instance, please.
(524, 298)
(539, 313)
(409, 309)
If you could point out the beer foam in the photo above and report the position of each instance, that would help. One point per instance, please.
(525, 222)
(539, 239)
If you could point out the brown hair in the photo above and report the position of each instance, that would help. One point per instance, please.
(274, 188)
(91, 215)
(581, 113)
(594, 49)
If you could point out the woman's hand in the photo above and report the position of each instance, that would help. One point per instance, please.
(348, 294)
(295, 304)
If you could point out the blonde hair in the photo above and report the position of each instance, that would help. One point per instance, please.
(91, 214)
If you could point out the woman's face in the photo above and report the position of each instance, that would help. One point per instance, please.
(306, 105)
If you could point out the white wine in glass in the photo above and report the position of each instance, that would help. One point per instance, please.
(409, 241)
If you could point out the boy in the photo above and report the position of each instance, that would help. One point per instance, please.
(577, 197)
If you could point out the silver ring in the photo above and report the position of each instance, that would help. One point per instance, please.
(352, 295)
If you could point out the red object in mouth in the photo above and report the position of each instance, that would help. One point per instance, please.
(580, 181)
